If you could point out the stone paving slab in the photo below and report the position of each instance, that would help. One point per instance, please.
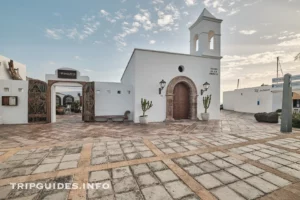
(177, 144)
(117, 151)
(151, 181)
(238, 179)
(23, 193)
(40, 160)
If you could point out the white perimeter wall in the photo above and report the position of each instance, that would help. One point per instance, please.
(109, 102)
(277, 100)
(245, 100)
(152, 67)
(14, 114)
(4, 66)
(229, 100)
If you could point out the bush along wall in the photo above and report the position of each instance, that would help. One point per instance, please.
(296, 120)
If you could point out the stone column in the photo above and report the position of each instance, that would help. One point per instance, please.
(286, 117)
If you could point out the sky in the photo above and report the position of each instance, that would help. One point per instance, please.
(97, 37)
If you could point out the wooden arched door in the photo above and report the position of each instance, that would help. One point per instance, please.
(181, 104)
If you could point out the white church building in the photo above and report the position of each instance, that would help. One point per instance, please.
(174, 82)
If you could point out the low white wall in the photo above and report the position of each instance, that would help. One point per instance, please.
(14, 114)
(4, 66)
(277, 101)
(246, 100)
(229, 100)
(109, 102)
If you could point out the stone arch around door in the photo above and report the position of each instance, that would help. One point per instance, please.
(88, 98)
(192, 98)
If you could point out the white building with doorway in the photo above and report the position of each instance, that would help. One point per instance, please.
(266, 98)
(175, 83)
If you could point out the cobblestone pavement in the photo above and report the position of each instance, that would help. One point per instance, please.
(231, 159)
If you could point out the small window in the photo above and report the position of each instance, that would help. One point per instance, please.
(128, 91)
(9, 101)
(119, 91)
(98, 91)
(211, 40)
(20, 89)
(196, 43)
(181, 68)
(6, 89)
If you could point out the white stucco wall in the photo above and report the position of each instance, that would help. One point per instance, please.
(128, 79)
(14, 114)
(246, 100)
(229, 100)
(109, 102)
(277, 100)
(4, 75)
(152, 67)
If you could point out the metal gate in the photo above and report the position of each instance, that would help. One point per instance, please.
(37, 101)
(89, 102)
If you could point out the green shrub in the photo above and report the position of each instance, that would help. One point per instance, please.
(278, 110)
(296, 120)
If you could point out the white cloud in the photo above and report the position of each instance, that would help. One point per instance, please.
(55, 34)
(88, 26)
(234, 11)
(144, 17)
(98, 42)
(190, 2)
(165, 20)
(290, 43)
(220, 10)
(136, 24)
(232, 29)
(77, 58)
(267, 37)
(104, 13)
(248, 32)
(152, 42)
(157, 1)
(256, 59)
(185, 13)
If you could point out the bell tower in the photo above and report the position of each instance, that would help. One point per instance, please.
(205, 35)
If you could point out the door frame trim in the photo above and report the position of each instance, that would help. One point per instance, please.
(170, 97)
(50, 83)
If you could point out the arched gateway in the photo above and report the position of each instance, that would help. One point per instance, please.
(181, 99)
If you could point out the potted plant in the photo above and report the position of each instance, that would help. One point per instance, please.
(206, 104)
(76, 107)
(146, 105)
(60, 110)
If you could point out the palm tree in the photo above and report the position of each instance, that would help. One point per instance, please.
(297, 57)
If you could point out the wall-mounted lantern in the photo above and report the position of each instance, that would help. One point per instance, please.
(162, 84)
(205, 86)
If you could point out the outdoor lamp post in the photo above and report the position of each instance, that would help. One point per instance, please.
(205, 86)
(162, 84)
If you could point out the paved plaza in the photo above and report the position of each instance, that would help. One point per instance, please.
(231, 159)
